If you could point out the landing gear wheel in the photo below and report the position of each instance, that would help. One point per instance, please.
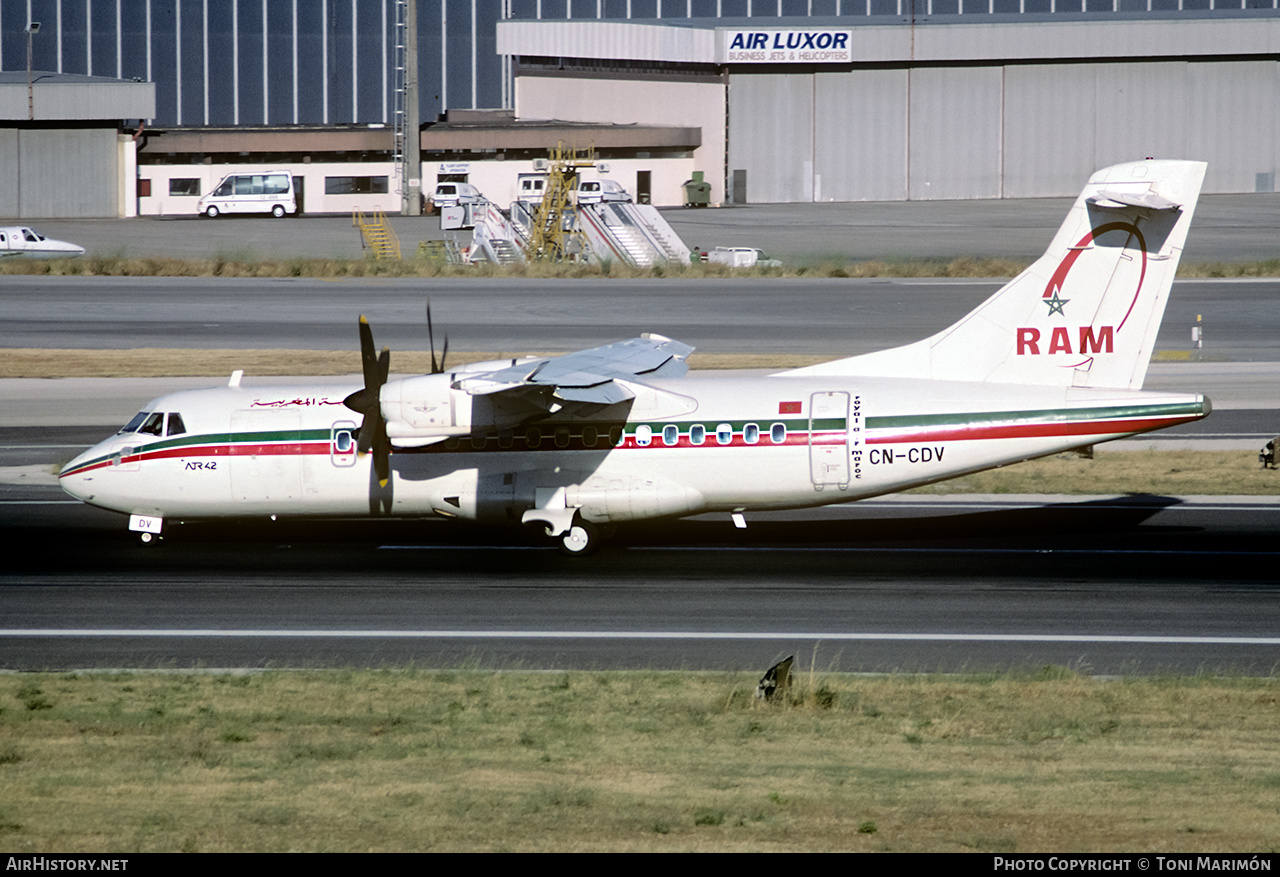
(148, 538)
(211, 212)
(580, 540)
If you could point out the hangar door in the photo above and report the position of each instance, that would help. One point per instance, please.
(819, 137)
(867, 134)
(60, 172)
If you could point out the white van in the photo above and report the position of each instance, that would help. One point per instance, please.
(532, 187)
(453, 194)
(267, 192)
(596, 191)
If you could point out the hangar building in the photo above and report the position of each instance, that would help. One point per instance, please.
(62, 153)
(996, 106)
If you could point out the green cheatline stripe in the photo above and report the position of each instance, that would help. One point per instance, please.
(1045, 415)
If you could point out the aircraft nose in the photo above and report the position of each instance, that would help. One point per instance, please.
(76, 478)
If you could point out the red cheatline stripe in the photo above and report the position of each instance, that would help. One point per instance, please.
(218, 450)
(1025, 430)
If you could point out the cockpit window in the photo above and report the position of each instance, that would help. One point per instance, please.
(176, 426)
(137, 421)
(153, 425)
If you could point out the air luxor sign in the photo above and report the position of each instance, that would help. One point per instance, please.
(799, 45)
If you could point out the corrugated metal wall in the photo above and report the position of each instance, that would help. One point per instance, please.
(860, 141)
(1014, 131)
(59, 172)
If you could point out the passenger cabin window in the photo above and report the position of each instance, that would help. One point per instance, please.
(671, 435)
(697, 434)
(751, 433)
(724, 434)
(778, 433)
(644, 435)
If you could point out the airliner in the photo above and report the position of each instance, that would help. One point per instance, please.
(583, 443)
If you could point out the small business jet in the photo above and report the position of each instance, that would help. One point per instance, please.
(589, 440)
(19, 240)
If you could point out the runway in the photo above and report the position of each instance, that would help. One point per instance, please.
(1108, 585)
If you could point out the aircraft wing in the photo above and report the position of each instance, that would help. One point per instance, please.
(590, 376)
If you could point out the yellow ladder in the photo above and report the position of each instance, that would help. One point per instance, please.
(549, 238)
(376, 234)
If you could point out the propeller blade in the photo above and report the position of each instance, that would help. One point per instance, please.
(381, 450)
(368, 358)
(367, 401)
(431, 341)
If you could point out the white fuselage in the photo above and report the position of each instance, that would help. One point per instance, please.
(22, 241)
(692, 445)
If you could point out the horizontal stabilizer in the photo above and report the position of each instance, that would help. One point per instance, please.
(1120, 200)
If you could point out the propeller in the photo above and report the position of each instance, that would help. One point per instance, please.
(431, 340)
(367, 401)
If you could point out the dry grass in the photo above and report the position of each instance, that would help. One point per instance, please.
(430, 760)
(1171, 473)
(244, 265)
(173, 362)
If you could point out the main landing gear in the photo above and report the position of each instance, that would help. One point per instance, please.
(581, 539)
(578, 537)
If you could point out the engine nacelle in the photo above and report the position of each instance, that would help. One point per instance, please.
(425, 407)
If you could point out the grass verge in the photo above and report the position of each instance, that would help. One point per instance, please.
(468, 760)
(243, 265)
(159, 362)
(1113, 472)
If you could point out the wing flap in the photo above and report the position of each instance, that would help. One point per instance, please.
(588, 375)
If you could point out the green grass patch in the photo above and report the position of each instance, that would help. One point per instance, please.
(470, 760)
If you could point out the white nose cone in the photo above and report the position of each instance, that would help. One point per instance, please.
(76, 478)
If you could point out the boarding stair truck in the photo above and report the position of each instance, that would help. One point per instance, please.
(660, 233)
(632, 233)
(522, 219)
(494, 236)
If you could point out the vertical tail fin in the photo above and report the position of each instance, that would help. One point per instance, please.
(1086, 313)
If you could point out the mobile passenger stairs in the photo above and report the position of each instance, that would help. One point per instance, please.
(632, 233)
(554, 229)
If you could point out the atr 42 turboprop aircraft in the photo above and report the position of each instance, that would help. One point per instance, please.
(1054, 360)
